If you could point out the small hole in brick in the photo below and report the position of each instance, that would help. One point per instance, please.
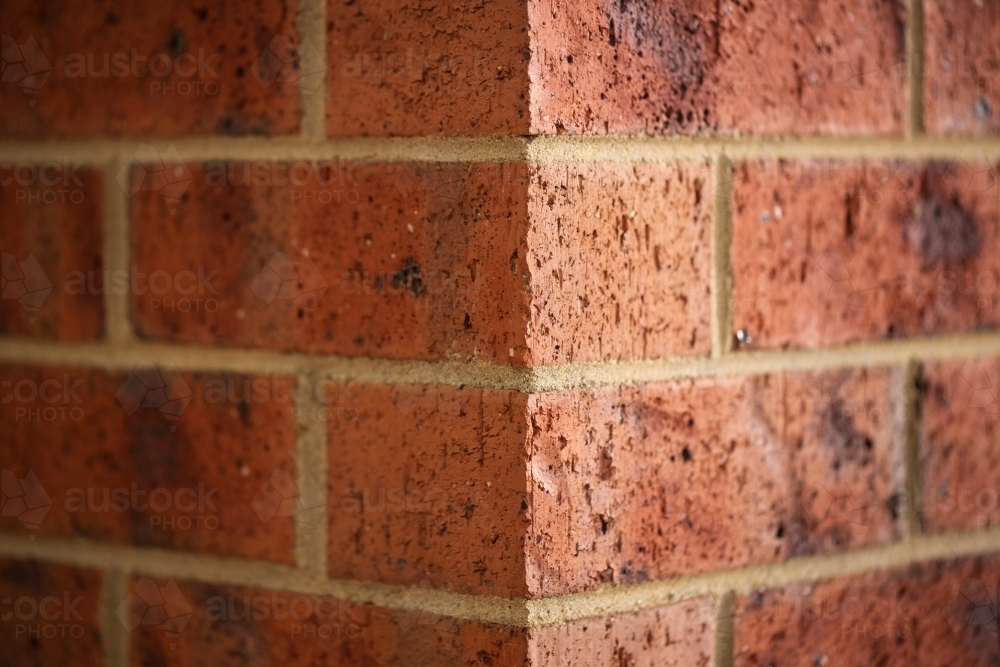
(686, 454)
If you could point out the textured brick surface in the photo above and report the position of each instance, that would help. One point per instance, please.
(612, 485)
(427, 67)
(826, 253)
(408, 260)
(958, 454)
(623, 276)
(961, 66)
(431, 261)
(138, 478)
(932, 615)
(51, 237)
(696, 66)
(239, 626)
(446, 506)
(674, 636)
(49, 614)
(143, 69)
(637, 484)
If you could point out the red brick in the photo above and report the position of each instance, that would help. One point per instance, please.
(643, 483)
(961, 67)
(53, 278)
(427, 67)
(404, 261)
(68, 429)
(211, 87)
(620, 277)
(50, 614)
(695, 66)
(827, 253)
(958, 435)
(680, 634)
(617, 485)
(933, 615)
(505, 263)
(239, 626)
(446, 506)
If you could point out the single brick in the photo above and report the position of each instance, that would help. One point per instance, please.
(211, 624)
(958, 456)
(644, 483)
(961, 67)
(427, 67)
(695, 66)
(446, 505)
(678, 635)
(53, 276)
(500, 493)
(153, 458)
(622, 277)
(169, 68)
(50, 614)
(469, 261)
(935, 614)
(827, 253)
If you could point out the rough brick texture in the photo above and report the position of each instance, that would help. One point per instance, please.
(139, 69)
(50, 614)
(491, 492)
(958, 436)
(961, 67)
(674, 636)
(429, 67)
(431, 261)
(187, 483)
(696, 66)
(933, 614)
(239, 626)
(826, 253)
(51, 240)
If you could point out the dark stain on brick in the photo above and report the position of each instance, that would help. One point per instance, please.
(409, 278)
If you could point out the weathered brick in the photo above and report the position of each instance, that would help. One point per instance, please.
(826, 253)
(185, 476)
(53, 278)
(50, 614)
(961, 67)
(427, 67)
(494, 262)
(224, 625)
(931, 614)
(494, 492)
(672, 636)
(958, 435)
(623, 276)
(693, 66)
(144, 69)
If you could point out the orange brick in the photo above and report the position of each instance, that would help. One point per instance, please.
(50, 614)
(494, 492)
(81, 457)
(827, 253)
(926, 614)
(53, 277)
(140, 69)
(958, 457)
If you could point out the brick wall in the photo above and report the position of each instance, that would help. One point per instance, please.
(623, 333)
